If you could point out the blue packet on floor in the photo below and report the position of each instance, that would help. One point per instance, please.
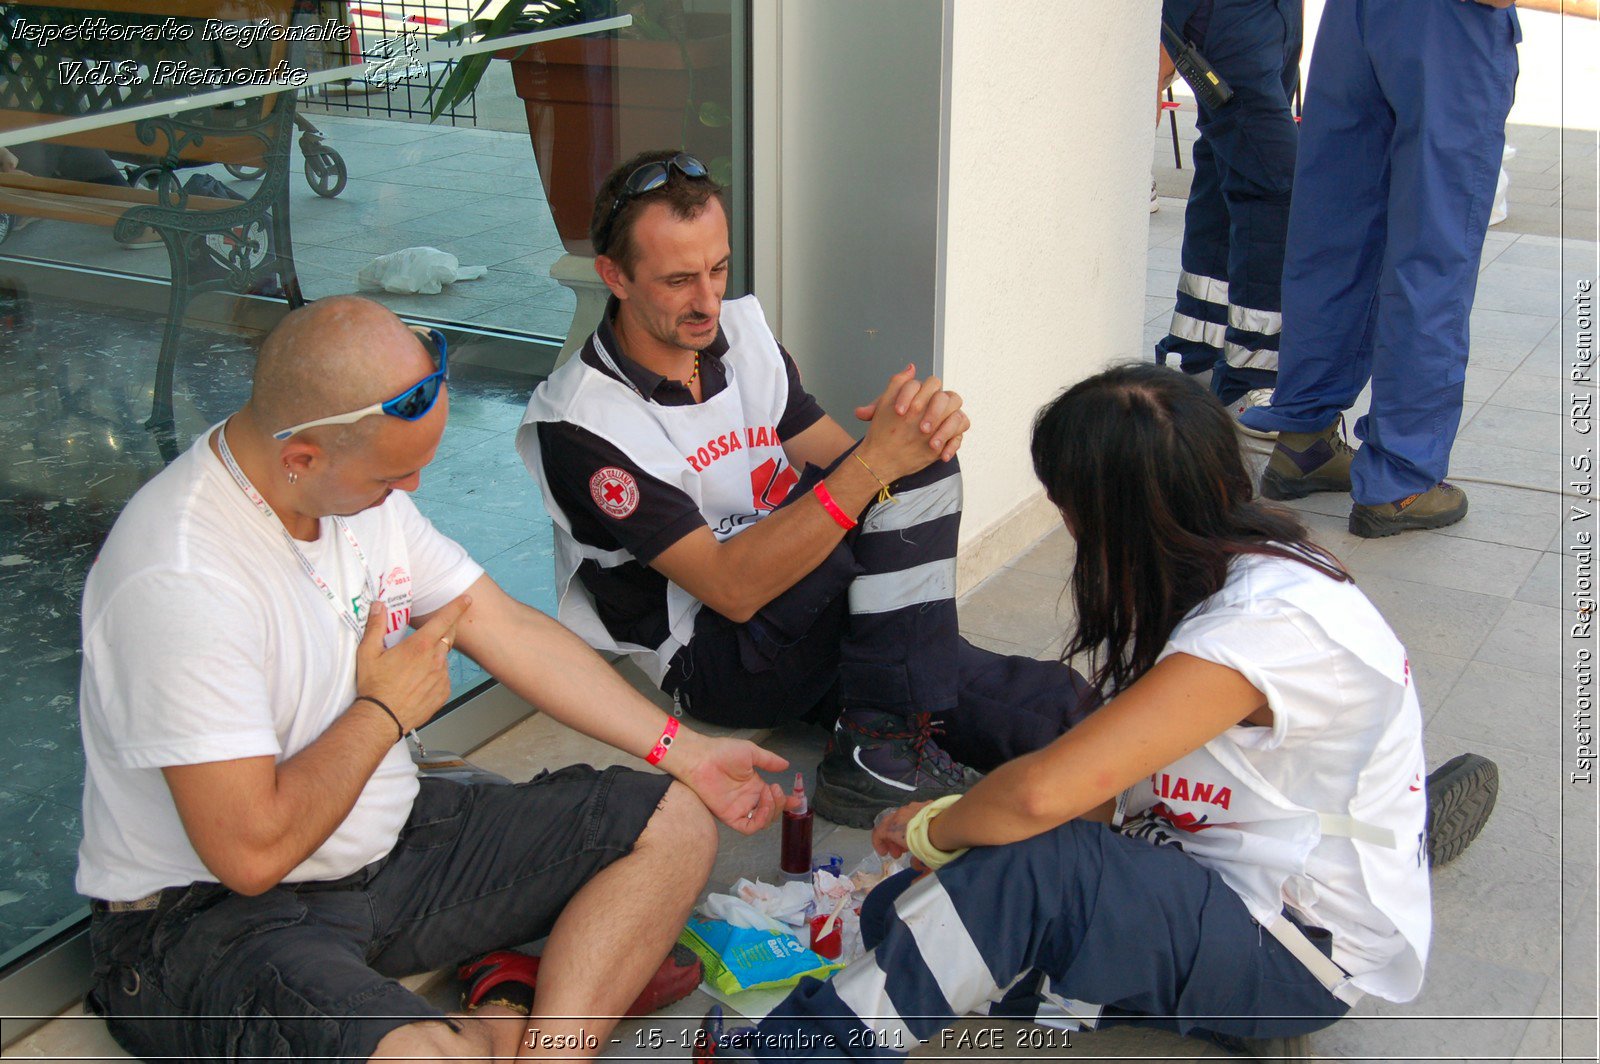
(741, 958)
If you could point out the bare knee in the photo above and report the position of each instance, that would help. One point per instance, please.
(682, 826)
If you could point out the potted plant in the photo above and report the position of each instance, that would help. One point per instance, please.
(593, 102)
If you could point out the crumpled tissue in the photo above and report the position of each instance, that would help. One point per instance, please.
(761, 906)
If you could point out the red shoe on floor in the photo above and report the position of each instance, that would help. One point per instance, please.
(678, 975)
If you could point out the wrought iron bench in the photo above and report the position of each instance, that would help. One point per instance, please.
(213, 244)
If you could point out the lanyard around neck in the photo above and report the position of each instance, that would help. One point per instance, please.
(352, 618)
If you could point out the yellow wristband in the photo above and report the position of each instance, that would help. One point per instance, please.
(917, 840)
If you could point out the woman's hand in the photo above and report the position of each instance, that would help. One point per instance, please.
(889, 834)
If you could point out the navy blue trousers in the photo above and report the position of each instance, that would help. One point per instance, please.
(874, 627)
(1400, 149)
(1228, 314)
(1144, 930)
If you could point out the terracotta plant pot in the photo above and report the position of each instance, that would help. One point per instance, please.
(593, 103)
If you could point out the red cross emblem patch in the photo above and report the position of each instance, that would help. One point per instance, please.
(615, 491)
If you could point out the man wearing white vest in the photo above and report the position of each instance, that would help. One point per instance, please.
(755, 561)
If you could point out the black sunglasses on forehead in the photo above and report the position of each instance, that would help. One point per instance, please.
(648, 178)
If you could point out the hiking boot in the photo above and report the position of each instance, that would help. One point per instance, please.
(1249, 401)
(877, 761)
(1461, 794)
(1307, 462)
(1272, 1050)
(678, 975)
(1441, 505)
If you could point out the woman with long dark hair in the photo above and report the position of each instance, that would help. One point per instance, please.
(1232, 846)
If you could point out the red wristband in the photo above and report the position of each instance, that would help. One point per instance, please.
(840, 518)
(663, 744)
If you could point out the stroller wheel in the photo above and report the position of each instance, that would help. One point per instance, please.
(326, 172)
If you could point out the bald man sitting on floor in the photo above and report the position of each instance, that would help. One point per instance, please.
(262, 859)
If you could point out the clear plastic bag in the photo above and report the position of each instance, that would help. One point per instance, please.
(424, 271)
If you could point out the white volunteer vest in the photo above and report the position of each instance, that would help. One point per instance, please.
(723, 453)
(1229, 817)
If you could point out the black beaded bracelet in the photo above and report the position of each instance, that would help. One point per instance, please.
(397, 725)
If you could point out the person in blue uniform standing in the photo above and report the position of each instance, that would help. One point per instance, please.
(1227, 318)
(1403, 130)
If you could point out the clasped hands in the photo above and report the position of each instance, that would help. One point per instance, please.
(911, 425)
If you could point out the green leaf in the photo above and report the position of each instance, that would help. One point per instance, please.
(516, 16)
(464, 78)
(461, 84)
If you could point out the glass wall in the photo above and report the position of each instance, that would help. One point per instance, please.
(358, 169)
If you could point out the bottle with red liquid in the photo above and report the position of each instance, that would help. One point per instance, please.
(795, 858)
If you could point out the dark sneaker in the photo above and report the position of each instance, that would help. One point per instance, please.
(1272, 1050)
(877, 761)
(517, 974)
(1441, 505)
(1306, 462)
(1461, 794)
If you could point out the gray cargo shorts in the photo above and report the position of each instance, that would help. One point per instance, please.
(308, 970)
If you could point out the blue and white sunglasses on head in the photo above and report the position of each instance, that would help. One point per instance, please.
(409, 405)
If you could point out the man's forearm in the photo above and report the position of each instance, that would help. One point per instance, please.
(768, 558)
(319, 786)
(550, 668)
(1002, 808)
(289, 809)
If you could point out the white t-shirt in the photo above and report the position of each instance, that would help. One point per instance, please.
(1264, 806)
(204, 640)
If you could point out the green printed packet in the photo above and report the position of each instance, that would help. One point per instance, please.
(740, 958)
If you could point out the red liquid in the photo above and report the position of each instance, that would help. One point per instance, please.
(795, 858)
(829, 946)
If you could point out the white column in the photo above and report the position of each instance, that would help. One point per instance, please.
(1045, 226)
(963, 184)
